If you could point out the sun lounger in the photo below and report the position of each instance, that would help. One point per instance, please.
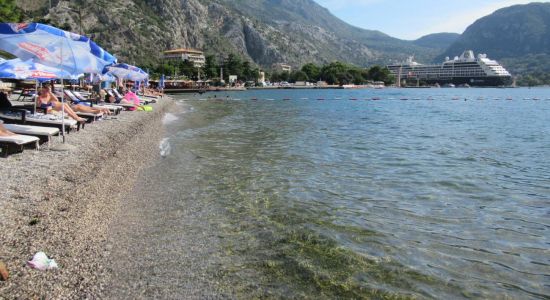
(38, 119)
(124, 105)
(115, 109)
(45, 134)
(16, 143)
(91, 117)
(142, 102)
(26, 93)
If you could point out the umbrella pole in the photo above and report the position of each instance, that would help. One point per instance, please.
(35, 95)
(63, 110)
(63, 146)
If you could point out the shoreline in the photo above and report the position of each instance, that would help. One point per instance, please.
(62, 203)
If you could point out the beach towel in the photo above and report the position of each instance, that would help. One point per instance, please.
(145, 108)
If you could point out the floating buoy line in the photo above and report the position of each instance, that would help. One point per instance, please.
(378, 98)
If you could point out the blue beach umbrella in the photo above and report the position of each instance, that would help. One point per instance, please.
(127, 72)
(54, 47)
(30, 70)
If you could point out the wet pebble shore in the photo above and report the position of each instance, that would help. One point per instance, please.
(62, 203)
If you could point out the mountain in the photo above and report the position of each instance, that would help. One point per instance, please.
(437, 40)
(518, 36)
(264, 31)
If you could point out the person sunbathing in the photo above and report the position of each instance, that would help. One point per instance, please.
(4, 131)
(47, 101)
(76, 106)
(110, 97)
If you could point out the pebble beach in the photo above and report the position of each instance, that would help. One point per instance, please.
(62, 203)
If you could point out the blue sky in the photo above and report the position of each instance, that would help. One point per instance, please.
(411, 19)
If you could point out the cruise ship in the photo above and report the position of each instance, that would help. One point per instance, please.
(464, 70)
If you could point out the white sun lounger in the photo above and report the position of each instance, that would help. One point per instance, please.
(39, 119)
(90, 116)
(113, 108)
(16, 143)
(45, 134)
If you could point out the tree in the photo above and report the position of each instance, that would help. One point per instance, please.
(334, 72)
(356, 76)
(9, 12)
(377, 73)
(312, 71)
(210, 69)
(249, 73)
(187, 68)
(299, 76)
(233, 65)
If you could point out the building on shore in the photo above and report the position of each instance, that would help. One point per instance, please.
(193, 55)
(281, 67)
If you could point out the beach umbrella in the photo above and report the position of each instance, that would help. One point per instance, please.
(127, 72)
(54, 47)
(31, 70)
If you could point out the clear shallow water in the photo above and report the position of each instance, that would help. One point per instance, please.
(441, 198)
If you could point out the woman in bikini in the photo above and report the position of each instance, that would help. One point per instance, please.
(46, 100)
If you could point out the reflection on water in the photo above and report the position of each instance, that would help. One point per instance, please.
(434, 197)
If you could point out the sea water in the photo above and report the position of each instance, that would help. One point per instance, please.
(430, 193)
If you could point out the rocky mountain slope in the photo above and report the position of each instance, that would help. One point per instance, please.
(265, 31)
(518, 36)
(437, 40)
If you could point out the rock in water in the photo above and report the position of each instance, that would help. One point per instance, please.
(4, 274)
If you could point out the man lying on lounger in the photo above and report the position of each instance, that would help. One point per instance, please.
(47, 101)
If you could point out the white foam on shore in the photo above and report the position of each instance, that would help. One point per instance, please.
(164, 147)
(169, 118)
